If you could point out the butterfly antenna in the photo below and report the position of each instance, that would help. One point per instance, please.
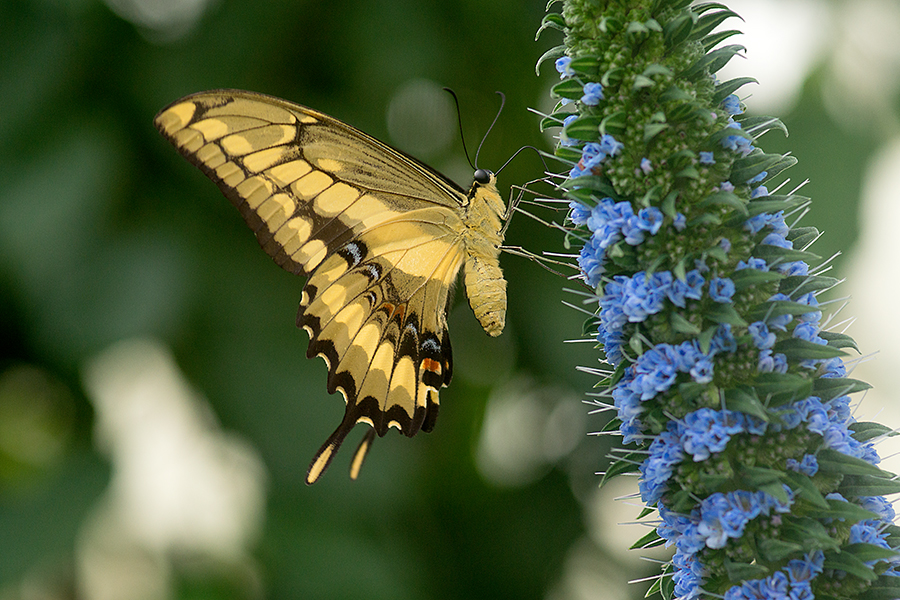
(494, 122)
(517, 152)
(459, 120)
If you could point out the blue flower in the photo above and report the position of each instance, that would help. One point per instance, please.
(721, 289)
(723, 340)
(689, 287)
(759, 192)
(752, 263)
(578, 213)
(563, 66)
(650, 219)
(758, 178)
(737, 143)
(591, 156)
(593, 94)
(609, 144)
(880, 506)
(680, 222)
(646, 166)
(590, 261)
(797, 267)
(762, 338)
(707, 158)
(564, 139)
(732, 105)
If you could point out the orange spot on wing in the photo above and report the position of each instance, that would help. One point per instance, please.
(429, 364)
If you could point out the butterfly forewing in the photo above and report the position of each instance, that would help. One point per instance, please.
(380, 235)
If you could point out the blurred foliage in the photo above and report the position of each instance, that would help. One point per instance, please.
(106, 234)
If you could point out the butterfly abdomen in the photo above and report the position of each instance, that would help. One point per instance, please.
(485, 285)
(486, 289)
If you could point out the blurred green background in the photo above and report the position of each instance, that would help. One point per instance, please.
(157, 411)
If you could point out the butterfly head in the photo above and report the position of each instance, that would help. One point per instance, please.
(483, 181)
(483, 176)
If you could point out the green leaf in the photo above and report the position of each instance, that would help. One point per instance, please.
(630, 463)
(742, 571)
(688, 173)
(656, 69)
(802, 236)
(771, 204)
(865, 431)
(679, 29)
(568, 88)
(782, 387)
(807, 532)
(554, 120)
(711, 62)
(807, 489)
(675, 94)
(747, 278)
(782, 255)
(681, 325)
(885, 588)
(641, 82)
(551, 21)
(775, 308)
(867, 485)
(832, 461)
(849, 564)
(597, 183)
(714, 141)
(587, 64)
(838, 340)
(787, 161)
(613, 77)
(846, 511)
(651, 130)
(571, 155)
(796, 349)
(551, 54)
(756, 126)
(611, 425)
(743, 399)
(584, 128)
(746, 168)
(757, 477)
(726, 88)
(798, 285)
(710, 21)
(651, 540)
(723, 198)
(867, 552)
(714, 39)
(827, 388)
(614, 123)
(725, 313)
(775, 550)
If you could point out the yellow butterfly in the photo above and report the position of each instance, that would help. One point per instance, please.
(380, 235)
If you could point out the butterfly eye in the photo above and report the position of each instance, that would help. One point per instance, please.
(482, 176)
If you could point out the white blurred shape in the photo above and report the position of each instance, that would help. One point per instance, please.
(180, 486)
(527, 428)
(589, 574)
(162, 20)
(864, 71)
(875, 286)
(783, 39)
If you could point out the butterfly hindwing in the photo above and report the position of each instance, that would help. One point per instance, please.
(380, 236)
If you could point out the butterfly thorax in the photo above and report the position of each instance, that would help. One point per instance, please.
(485, 285)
